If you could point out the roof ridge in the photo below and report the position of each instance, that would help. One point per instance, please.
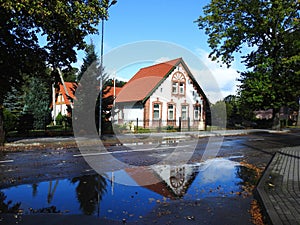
(166, 62)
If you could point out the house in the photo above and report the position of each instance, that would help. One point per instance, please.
(111, 92)
(64, 94)
(109, 95)
(62, 99)
(168, 181)
(161, 95)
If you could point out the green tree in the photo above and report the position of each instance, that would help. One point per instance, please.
(70, 74)
(218, 114)
(233, 110)
(10, 120)
(90, 57)
(270, 29)
(118, 83)
(63, 24)
(37, 98)
(91, 69)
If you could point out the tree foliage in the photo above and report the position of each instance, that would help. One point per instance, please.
(270, 32)
(34, 33)
(89, 75)
(70, 74)
(63, 26)
(90, 57)
(36, 98)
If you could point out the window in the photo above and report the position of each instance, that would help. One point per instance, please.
(184, 112)
(181, 88)
(196, 112)
(174, 87)
(156, 111)
(171, 112)
(178, 84)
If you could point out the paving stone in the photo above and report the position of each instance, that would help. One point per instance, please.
(278, 189)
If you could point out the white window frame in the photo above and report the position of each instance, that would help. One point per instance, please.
(184, 112)
(174, 87)
(181, 88)
(197, 111)
(158, 110)
(171, 111)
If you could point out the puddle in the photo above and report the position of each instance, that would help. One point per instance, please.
(107, 196)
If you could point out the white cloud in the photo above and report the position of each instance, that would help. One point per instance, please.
(217, 82)
(161, 60)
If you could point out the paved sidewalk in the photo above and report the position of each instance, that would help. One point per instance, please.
(279, 188)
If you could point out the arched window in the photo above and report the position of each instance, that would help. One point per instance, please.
(178, 84)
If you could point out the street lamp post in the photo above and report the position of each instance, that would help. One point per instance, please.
(101, 68)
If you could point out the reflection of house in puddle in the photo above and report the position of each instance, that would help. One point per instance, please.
(169, 181)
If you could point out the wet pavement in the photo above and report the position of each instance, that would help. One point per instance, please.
(106, 197)
(57, 186)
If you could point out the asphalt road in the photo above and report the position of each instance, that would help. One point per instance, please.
(30, 166)
(45, 164)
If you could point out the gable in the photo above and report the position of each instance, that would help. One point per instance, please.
(146, 81)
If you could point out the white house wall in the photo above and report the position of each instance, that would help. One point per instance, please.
(164, 95)
(132, 113)
(61, 108)
(184, 172)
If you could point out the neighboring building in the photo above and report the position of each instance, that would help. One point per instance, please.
(62, 99)
(109, 94)
(165, 94)
(263, 114)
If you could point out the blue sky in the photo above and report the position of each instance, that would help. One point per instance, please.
(161, 20)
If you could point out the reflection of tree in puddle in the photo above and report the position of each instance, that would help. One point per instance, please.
(8, 207)
(90, 190)
(34, 189)
(51, 191)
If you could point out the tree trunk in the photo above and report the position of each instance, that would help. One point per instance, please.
(2, 132)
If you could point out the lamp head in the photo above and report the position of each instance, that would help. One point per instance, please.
(113, 2)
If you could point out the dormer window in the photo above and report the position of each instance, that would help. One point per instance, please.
(178, 84)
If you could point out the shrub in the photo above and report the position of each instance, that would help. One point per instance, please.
(59, 119)
(25, 122)
(170, 127)
(10, 121)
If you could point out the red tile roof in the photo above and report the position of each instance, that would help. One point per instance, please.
(145, 80)
(111, 91)
(70, 86)
(150, 180)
